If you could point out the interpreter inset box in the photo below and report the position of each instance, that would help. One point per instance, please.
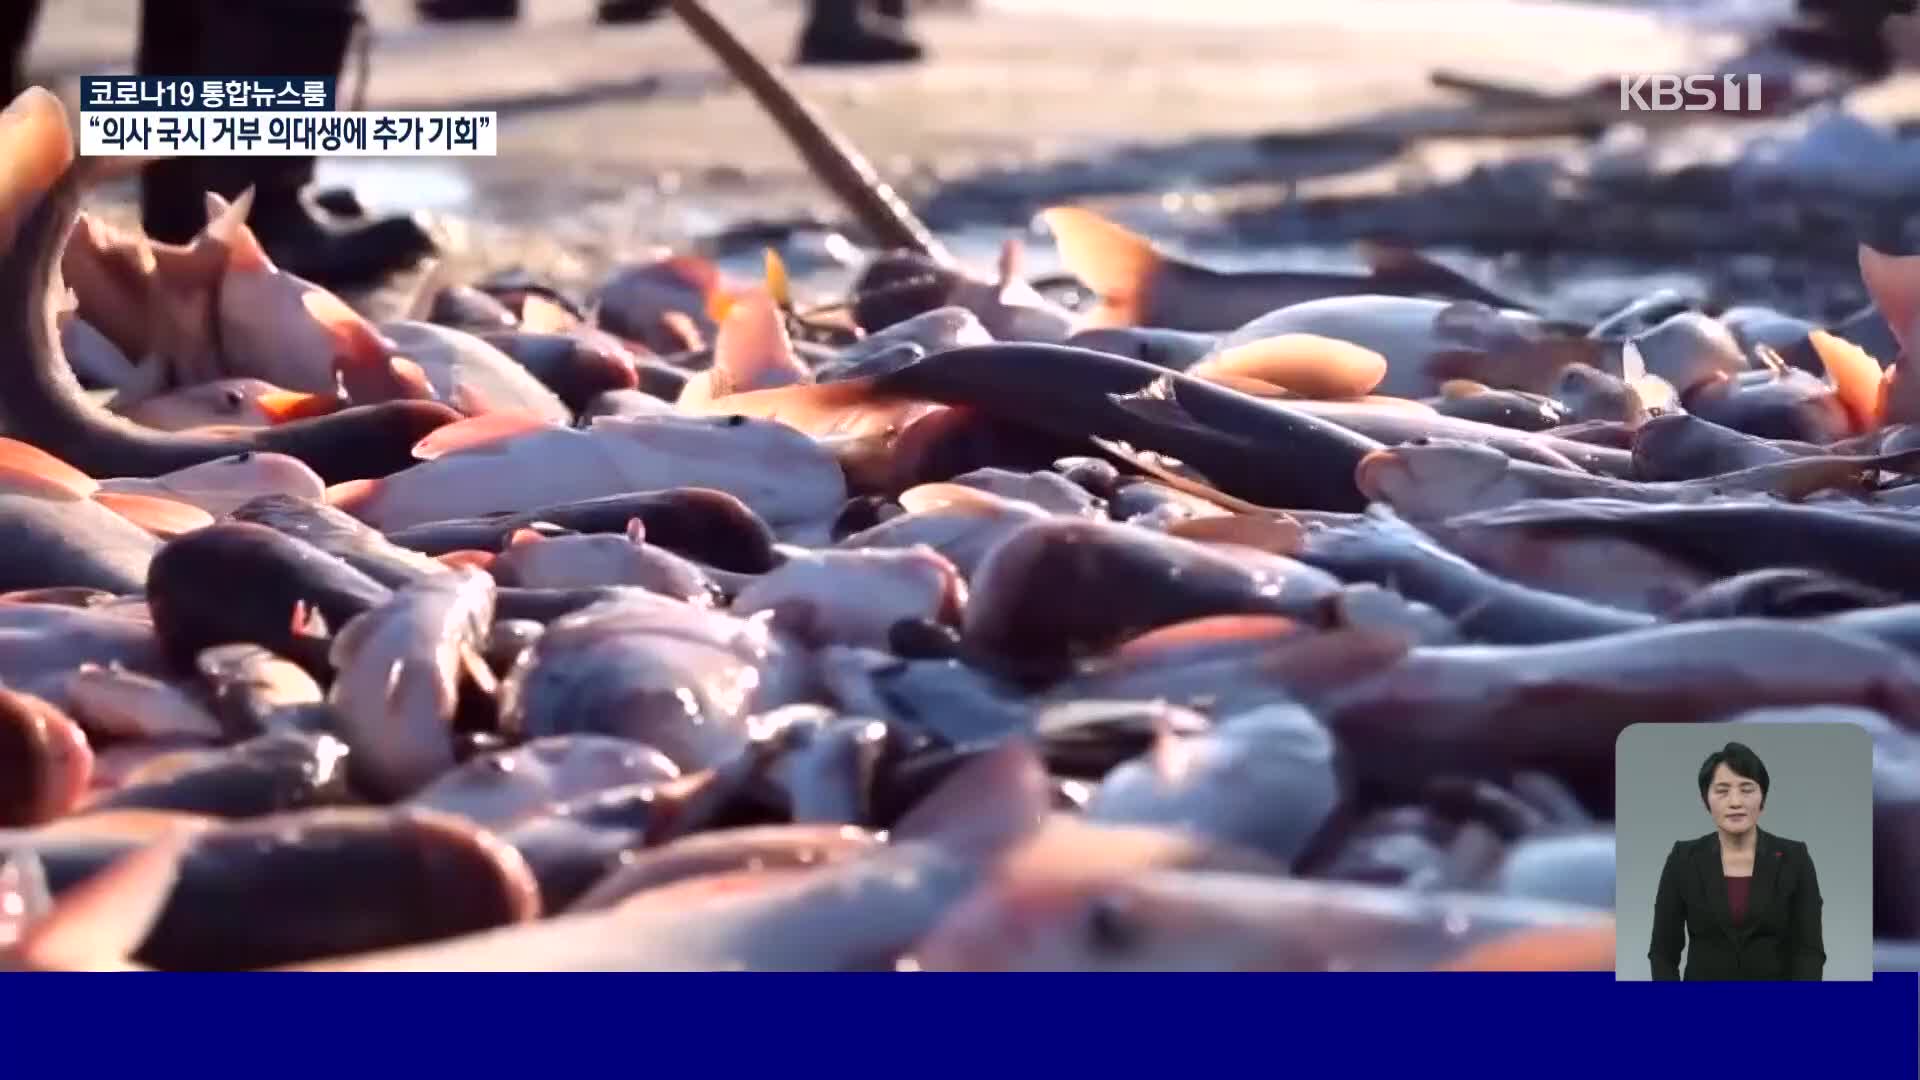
(1744, 852)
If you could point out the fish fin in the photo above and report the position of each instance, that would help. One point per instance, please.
(36, 148)
(308, 622)
(349, 495)
(1182, 483)
(164, 518)
(636, 532)
(1468, 319)
(681, 325)
(1411, 270)
(104, 920)
(700, 273)
(924, 498)
(1277, 535)
(24, 896)
(1204, 630)
(1455, 389)
(779, 286)
(285, 406)
(480, 673)
(30, 470)
(1550, 948)
(1119, 265)
(1171, 755)
(988, 804)
(1856, 377)
(1158, 401)
(1013, 257)
(1310, 365)
(1246, 384)
(539, 315)
(419, 300)
(523, 537)
(466, 397)
(227, 226)
(1331, 658)
(752, 350)
(476, 432)
(1770, 358)
(478, 560)
(1899, 399)
(1893, 282)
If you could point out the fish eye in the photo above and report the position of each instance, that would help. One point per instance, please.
(1110, 928)
(243, 457)
(232, 398)
(735, 420)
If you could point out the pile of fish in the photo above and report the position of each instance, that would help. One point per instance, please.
(1257, 621)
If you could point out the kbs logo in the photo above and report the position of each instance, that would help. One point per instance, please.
(1692, 93)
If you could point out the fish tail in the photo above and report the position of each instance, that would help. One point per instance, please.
(1405, 270)
(1119, 265)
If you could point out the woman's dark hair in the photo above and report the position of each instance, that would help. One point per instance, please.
(1742, 761)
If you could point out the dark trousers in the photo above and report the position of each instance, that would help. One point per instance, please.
(239, 38)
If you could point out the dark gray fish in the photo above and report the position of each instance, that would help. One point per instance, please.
(711, 526)
(464, 307)
(1502, 408)
(681, 679)
(237, 582)
(338, 880)
(631, 403)
(74, 542)
(508, 639)
(1266, 780)
(254, 690)
(942, 698)
(1387, 551)
(1783, 593)
(269, 774)
(1641, 315)
(499, 790)
(1688, 349)
(1723, 538)
(1785, 334)
(1685, 447)
(1390, 426)
(1046, 593)
(1790, 404)
(577, 366)
(826, 764)
(1176, 350)
(1072, 393)
(1571, 868)
(542, 606)
(341, 535)
(1590, 394)
(802, 845)
(929, 332)
(45, 761)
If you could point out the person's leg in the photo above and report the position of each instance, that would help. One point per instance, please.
(262, 38)
(839, 32)
(16, 30)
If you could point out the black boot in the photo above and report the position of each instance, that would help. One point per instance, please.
(236, 37)
(461, 10)
(16, 30)
(615, 12)
(838, 32)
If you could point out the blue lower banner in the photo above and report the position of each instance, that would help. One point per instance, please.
(1489, 1024)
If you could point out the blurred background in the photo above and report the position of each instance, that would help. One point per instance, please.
(1266, 133)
